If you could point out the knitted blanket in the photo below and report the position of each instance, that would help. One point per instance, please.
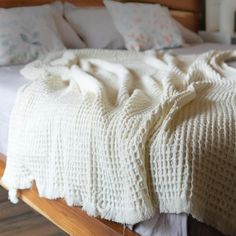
(123, 134)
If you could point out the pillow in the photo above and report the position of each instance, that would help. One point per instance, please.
(189, 36)
(95, 26)
(26, 33)
(144, 26)
(68, 35)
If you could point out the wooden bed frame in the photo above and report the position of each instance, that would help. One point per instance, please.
(73, 220)
(186, 12)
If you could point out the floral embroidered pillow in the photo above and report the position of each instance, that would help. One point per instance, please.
(144, 26)
(27, 33)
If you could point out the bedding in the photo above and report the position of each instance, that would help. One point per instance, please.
(189, 36)
(175, 101)
(94, 25)
(144, 26)
(69, 37)
(26, 33)
(11, 81)
(29, 32)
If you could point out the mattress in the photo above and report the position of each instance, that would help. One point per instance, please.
(161, 224)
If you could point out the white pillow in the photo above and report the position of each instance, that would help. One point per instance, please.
(189, 36)
(26, 33)
(68, 35)
(144, 26)
(95, 26)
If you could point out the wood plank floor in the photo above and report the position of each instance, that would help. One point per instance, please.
(21, 220)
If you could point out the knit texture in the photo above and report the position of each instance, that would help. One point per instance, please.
(123, 134)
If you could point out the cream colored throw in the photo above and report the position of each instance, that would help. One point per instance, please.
(123, 134)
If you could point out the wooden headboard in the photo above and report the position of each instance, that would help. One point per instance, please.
(186, 12)
(21, 3)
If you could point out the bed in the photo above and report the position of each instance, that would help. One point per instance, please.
(73, 220)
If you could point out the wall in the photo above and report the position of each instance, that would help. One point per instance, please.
(227, 23)
(212, 14)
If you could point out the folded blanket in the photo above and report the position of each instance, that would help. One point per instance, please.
(123, 134)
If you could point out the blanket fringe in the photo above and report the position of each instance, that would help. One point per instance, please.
(12, 195)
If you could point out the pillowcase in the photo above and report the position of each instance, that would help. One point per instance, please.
(189, 36)
(144, 26)
(95, 26)
(26, 33)
(68, 35)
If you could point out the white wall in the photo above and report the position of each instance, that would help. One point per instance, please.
(223, 22)
(212, 14)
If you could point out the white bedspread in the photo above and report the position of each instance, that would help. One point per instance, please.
(11, 80)
(144, 132)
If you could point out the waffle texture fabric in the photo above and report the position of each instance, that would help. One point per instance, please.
(123, 134)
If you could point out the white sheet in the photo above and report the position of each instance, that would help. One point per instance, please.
(204, 47)
(164, 224)
(10, 81)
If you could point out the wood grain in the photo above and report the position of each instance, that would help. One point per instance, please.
(72, 220)
(9, 211)
(86, 3)
(20, 3)
(21, 220)
(188, 19)
(186, 5)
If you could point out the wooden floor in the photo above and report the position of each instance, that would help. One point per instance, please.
(21, 220)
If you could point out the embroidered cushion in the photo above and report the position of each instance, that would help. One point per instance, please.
(26, 33)
(144, 26)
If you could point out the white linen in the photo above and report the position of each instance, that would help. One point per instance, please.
(203, 47)
(189, 36)
(27, 33)
(143, 127)
(164, 225)
(144, 26)
(69, 37)
(95, 26)
(10, 82)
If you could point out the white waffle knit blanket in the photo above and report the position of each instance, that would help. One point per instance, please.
(123, 134)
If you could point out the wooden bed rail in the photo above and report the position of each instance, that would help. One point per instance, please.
(72, 220)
